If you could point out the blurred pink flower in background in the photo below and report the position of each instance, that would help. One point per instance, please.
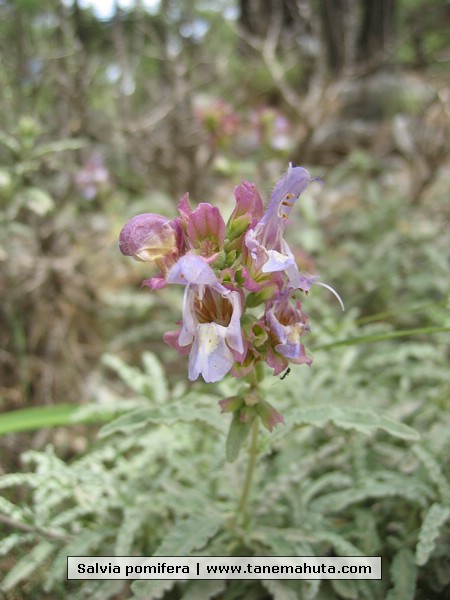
(93, 178)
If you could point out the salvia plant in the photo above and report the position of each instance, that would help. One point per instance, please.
(340, 475)
(242, 284)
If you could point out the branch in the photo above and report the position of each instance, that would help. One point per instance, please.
(53, 535)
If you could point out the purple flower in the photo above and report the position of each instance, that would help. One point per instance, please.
(268, 249)
(286, 323)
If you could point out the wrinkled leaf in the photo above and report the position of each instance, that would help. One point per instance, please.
(435, 518)
(189, 535)
(167, 415)
(27, 565)
(347, 417)
(403, 574)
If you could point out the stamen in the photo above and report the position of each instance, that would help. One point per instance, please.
(332, 290)
(285, 202)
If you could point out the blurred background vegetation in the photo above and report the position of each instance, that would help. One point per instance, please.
(103, 116)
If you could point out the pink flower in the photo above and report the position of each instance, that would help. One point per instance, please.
(205, 231)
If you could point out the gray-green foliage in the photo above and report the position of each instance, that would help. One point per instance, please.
(341, 477)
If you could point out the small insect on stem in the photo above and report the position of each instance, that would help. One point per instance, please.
(285, 374)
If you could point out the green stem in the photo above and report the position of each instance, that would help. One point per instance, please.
(252, 455)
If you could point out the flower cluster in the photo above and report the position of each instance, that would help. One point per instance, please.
(241, 281)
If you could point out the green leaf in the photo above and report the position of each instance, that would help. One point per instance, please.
(403, 574)
(325, 482)
(342, 546)
(434, 471)
(10, 541)
(285, 541)
(347, 417)
(85, 544)
(203, 589)
(346, 588)
(155, 372)
(402, 310)
(139, 382)
(11, 509)
(189, 535)
(36, 200)
(429, 532)
(28, 419)
(27, 565)
(277, 542)
(56, 147)
(402, 487)
(11, 143)
(132, 522)
(167, 415)
(396, 485)
(380, 337)
(237, 434)
(310, 588)
(280, 590)
(152, 588)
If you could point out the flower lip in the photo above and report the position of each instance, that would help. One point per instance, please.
(193, 269)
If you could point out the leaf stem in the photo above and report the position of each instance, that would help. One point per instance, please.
(53, 535)
(242, 509)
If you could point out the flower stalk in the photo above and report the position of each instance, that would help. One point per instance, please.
(243, 505)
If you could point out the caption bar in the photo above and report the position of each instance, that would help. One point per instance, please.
(223, 567)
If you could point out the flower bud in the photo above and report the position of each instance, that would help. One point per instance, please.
(231, 404)
(268, 415)
(148, 237)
